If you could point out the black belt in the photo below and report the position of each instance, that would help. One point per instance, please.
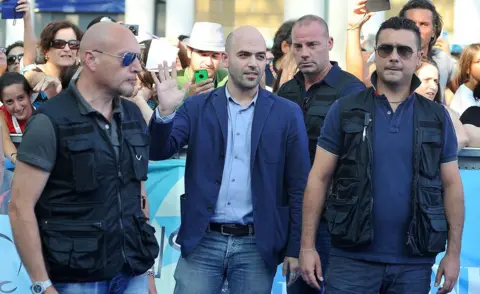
(232, 229)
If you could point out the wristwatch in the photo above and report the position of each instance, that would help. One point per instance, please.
(40, 287)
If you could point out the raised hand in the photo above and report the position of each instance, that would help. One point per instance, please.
(23, 6)
(358, 16)
(169, 96)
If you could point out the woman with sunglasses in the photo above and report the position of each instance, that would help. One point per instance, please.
(14, 54)
(15, 95)
(59, 44)
(429, 76)
(468, 77)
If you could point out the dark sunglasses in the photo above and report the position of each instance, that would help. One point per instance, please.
(385, 50)
(60, 44)
(11, 59)
(127, 58)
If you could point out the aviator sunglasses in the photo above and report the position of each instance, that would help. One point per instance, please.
(127, 58)
(11, 59)
(385, 50)
(60, 44)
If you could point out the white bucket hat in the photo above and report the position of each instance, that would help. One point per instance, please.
(207, 36)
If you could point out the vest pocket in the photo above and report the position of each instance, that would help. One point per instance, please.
(148, 242)
(433, 230)
(139, 150)
(431, 150)
(315, 118)
(66, 246)
(340, 214)
(84, 167)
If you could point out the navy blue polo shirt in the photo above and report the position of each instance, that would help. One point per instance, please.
(392, 175)
(331, 78)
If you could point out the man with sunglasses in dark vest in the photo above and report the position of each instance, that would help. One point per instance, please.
(79, 213)
(396, 195)
(314, 88)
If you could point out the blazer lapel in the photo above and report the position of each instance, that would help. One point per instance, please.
(262, 109)
(220, 105)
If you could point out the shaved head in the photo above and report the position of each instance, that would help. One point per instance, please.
(245, 58)
(104, 51)
(105, 36)
(309, 18)
(244, 34)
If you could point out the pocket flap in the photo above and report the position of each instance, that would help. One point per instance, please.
(138, 139)
(79, 145)
(437, 218)
(319, 109)
(85, 245)
(431, 136)
(351, 127)
(60, 244)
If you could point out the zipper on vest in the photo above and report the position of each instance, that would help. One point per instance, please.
(366, 123)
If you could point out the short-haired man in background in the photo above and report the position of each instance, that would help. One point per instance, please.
(396, 193)
(314, 88)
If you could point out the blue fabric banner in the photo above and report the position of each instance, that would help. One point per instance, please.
(164, 187)
(81, 6)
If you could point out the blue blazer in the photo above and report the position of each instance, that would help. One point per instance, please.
(279, 168)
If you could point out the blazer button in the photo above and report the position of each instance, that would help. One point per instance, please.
(222, 155)
(210, 208)
(218, 182)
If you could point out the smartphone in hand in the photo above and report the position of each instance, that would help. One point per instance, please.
(378, 5)
(200, 75)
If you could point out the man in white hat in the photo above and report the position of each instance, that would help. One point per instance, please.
(205, 50)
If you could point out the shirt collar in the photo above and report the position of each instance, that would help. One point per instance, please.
(231, 98)
(414, 85)
(330, 79)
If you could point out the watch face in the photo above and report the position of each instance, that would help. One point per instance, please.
(37, 289)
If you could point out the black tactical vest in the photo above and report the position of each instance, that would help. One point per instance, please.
(349, 205)
(315, 104)
(89, 214)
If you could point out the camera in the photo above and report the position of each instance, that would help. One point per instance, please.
(132, 28)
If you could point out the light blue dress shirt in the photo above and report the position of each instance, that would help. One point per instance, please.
(234, 204)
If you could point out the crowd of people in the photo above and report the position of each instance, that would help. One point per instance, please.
(349, 177)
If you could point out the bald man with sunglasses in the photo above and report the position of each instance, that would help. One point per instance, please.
(81, 224)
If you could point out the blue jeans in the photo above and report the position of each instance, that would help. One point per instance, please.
(323, 245)
(120, 284)
(349, 276)
(218, 257)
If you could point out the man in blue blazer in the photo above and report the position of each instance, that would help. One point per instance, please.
(246, 170)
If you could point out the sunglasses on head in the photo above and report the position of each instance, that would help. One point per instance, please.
(127, 58)
(60, 44)
(11, 59)
(385, 50)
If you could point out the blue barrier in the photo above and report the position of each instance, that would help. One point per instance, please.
(164, 187)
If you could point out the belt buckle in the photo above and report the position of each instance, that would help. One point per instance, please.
(223, 226)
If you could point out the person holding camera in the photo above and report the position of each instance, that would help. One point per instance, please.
(205, 48)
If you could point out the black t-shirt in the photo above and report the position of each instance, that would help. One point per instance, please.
(471, 116)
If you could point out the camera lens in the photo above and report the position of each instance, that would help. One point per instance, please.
(201, 76)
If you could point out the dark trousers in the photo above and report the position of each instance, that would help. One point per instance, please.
(349, 276)
(323, 245)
